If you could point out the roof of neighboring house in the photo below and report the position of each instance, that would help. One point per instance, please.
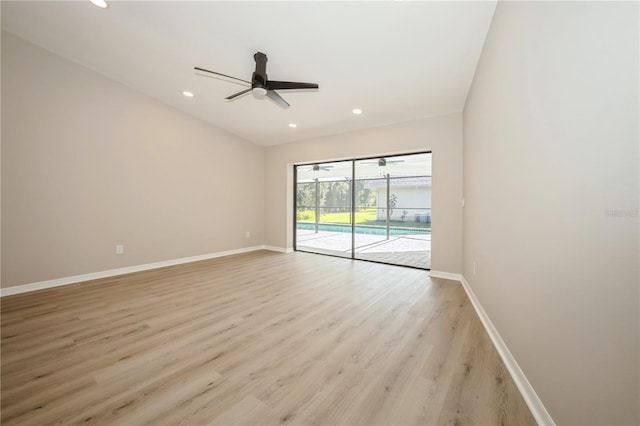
(399, 182)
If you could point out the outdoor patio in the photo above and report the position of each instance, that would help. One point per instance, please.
(407, 250)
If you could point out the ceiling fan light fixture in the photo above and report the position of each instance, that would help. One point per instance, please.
(356, 111)
(259, 92)
(102, 4)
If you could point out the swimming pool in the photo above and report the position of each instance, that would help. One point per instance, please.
(364, 229)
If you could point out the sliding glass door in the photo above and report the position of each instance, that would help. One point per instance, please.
(384, 216)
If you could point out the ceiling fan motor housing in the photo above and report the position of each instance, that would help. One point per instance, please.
(259, 76)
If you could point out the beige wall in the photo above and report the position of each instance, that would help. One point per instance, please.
(441, 135)
(88, 164)
(551, 189)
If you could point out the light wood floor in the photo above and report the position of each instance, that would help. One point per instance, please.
(258, 338)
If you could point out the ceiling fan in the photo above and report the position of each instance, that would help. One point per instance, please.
(317, 167)
(382, 162)
(261, 86)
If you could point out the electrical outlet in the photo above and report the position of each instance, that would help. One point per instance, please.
(119, 249)
(248, 234)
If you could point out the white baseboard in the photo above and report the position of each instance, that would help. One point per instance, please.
(530, 396)
(445, 275)
(8, 291)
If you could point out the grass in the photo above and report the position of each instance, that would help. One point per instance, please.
(339, 217)
(364, 217)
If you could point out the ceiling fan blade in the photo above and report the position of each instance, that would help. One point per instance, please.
(277, 99)
(286, 85)
(235, 95)
(260, 74)
(224, 75)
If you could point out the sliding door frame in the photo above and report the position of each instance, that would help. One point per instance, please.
(353, 204)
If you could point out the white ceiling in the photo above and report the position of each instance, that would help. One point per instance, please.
(397, 61)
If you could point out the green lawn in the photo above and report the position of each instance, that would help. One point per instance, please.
(339, 217)
(364, 217)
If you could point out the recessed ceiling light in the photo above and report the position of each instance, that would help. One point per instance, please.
(293, 125)
(357, 111)
(188, 94)
(100, 3)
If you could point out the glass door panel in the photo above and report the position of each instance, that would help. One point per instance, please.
(323, 208)
(400, 234)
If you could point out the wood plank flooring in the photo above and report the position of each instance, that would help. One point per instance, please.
(259, 338)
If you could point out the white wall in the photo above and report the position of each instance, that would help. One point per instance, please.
(551, 188)
(88, 163)
(441, 135)
(415, 200)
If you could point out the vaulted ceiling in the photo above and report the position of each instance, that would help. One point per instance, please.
(395, 60)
